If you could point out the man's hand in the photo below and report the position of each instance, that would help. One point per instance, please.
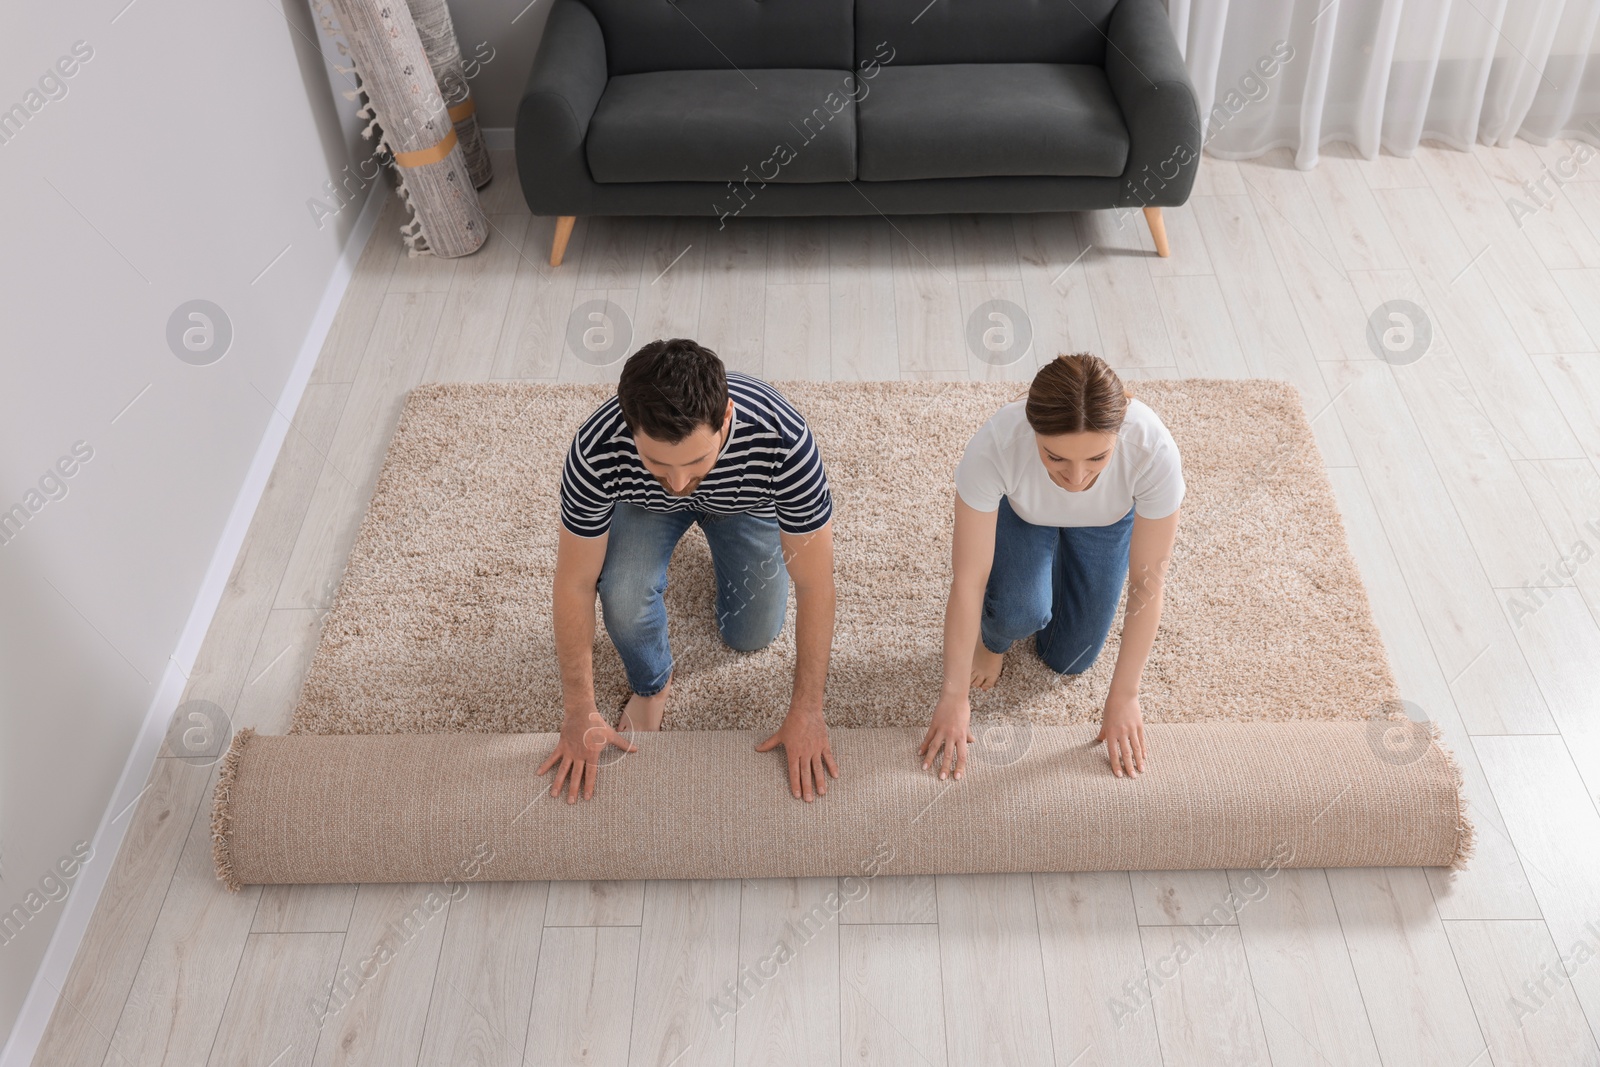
(948, 731)
(804, 737)
(1122, 729)
(583, 736)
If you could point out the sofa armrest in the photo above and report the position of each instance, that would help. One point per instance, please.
(564, 86)
(1152, 86)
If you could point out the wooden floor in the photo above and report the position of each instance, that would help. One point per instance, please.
(1463, 477)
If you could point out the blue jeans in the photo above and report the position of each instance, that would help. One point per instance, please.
(752, 585)
(1060, 582)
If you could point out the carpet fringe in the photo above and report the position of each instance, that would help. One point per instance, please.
(1466, 833)
(222, 811)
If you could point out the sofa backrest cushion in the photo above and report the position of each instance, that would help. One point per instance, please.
(984, 31)
(653, 35)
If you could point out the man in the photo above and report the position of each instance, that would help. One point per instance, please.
(686, 442)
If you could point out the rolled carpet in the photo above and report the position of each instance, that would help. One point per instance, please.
(702, 804)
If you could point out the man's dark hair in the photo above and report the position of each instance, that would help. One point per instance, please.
(668, 388)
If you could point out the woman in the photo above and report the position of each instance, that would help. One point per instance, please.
(1058, 499)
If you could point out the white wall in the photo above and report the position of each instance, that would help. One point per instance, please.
(509, 32)
(176, 166)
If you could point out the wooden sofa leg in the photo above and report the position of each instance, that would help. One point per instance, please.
(1158, 230)
(558, 247)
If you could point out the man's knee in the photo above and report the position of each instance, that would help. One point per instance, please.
(627, 599)
(749, 624)
(748, 638)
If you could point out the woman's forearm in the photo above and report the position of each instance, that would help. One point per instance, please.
(960, 637)
(1140, 621)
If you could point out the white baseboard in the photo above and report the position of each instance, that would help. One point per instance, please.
(499, 138)
(80, 904)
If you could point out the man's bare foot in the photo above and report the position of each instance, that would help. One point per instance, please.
(985, 666)
(644, 713)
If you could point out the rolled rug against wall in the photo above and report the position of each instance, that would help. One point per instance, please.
(403, 99)
(314, 808)
(438, 33)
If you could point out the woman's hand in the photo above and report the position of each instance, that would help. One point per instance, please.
(948, 731)
(1122, 729)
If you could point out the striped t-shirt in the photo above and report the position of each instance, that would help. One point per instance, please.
(769, 467)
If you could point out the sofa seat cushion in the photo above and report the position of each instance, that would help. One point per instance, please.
(714, 126)
(975, 120)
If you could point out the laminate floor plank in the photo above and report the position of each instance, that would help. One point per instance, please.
(863, 336)
(1122, 289)
(1567, 494)
(269, 1015)
(1204, 342)
(483, 988)
(693, 986)
(468, 336)
(891, 1013)
(1475, 463)
(358, 310)
(534, 333)
(1494, 690)
(789, 944)
(797, 250)
(995, 1008)
(1462, 302)
(797, 336)
(393, 364)
(595, 904)
(1270, 334)
(985, 248)
(1204, 1004)
(1181, 898)
(1185, 242)
(1059, 301)
(1552, 819)
(891, 898)
(1094, 971)
(1510, 264)
(375, 1006)
(92, 998)
(582, 996)
(926, 294)
(178, 997)
(733, 293)
(1549, 217)
(1519, 985)
(669, 285)
(1417, 1003)
(1334, 321)
(1310, 1002)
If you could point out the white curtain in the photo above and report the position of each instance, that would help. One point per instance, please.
(1389, 73)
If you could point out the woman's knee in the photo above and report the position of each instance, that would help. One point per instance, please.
(1069, 654)
(1018, 617)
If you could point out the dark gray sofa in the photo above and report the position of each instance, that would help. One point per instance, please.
(846, 107)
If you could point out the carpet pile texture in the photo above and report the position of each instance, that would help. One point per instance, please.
(442, 619)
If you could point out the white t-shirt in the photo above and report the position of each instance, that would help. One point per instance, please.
(1002, 459)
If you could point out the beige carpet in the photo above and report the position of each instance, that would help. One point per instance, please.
(1275, 737)
(424, 808)
(442, 619)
